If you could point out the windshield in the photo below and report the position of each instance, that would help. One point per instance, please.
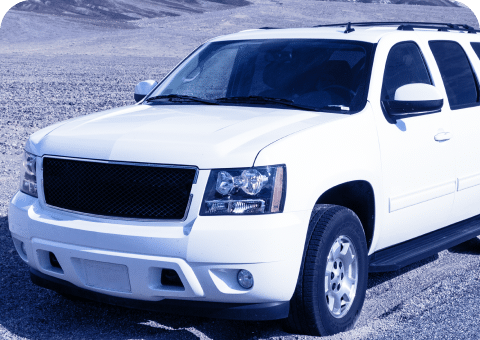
(319, 74)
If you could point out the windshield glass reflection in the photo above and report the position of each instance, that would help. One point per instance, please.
(312, 73)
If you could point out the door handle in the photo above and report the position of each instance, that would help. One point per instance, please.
(443, 136)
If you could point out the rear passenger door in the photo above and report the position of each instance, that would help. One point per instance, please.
(461, 84)
(418, 171)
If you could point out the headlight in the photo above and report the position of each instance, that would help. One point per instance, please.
(259, 190)
(28, 175)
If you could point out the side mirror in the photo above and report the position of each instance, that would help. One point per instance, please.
(143, 88)
(414, 100)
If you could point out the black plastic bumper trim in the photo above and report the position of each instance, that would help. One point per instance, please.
(232, 311)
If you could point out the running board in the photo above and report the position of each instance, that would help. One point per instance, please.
(403, 254)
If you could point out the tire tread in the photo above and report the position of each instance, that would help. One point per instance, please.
(297, 318)
(302, 318)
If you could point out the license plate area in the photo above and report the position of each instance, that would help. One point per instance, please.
(103, 275)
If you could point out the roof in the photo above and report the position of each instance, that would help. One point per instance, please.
(368, 32)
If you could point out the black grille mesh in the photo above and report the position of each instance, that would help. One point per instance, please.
(116, 189)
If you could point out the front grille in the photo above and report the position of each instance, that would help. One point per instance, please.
(121, 190)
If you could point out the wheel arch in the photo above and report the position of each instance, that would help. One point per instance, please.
(357, 196)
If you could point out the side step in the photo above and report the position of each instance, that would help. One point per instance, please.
(403, 254)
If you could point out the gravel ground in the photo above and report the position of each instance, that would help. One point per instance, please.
(52, 69)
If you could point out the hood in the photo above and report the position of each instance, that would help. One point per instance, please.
(205, 136)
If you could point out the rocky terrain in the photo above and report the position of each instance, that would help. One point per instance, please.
(57, 67)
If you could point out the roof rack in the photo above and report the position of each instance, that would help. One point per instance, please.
(408, 26)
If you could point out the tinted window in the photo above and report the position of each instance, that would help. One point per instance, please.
(476, 48)
(404, 66)
(321, 74)
(457, 75)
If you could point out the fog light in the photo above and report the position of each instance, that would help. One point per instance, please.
(245, 279)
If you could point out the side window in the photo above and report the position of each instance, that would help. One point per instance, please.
(460, 83)
(476, 48)
(404, 66)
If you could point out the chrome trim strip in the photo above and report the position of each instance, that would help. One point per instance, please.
(187, 209)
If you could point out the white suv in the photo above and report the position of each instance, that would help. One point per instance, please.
(264, 177)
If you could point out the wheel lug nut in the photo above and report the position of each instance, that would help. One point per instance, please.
(335, 265)
(341, 277)
(333, 286)
(332, 276)
(338, 287)
(340, 265)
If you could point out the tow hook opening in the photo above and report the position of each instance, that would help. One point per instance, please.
(53, 261)
(170, 278)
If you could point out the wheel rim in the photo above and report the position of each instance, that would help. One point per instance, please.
(341, 276)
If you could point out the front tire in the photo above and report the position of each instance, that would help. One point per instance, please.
(333, 277)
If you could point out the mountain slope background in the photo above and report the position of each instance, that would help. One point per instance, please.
(126, 10)
(172, 28)
(447, 3)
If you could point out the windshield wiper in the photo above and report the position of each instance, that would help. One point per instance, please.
(261, 99)
(181, 97)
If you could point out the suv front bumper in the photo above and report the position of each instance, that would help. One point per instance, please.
(117, 260)
(233, 311)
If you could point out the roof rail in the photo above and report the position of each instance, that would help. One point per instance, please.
(409, 26)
